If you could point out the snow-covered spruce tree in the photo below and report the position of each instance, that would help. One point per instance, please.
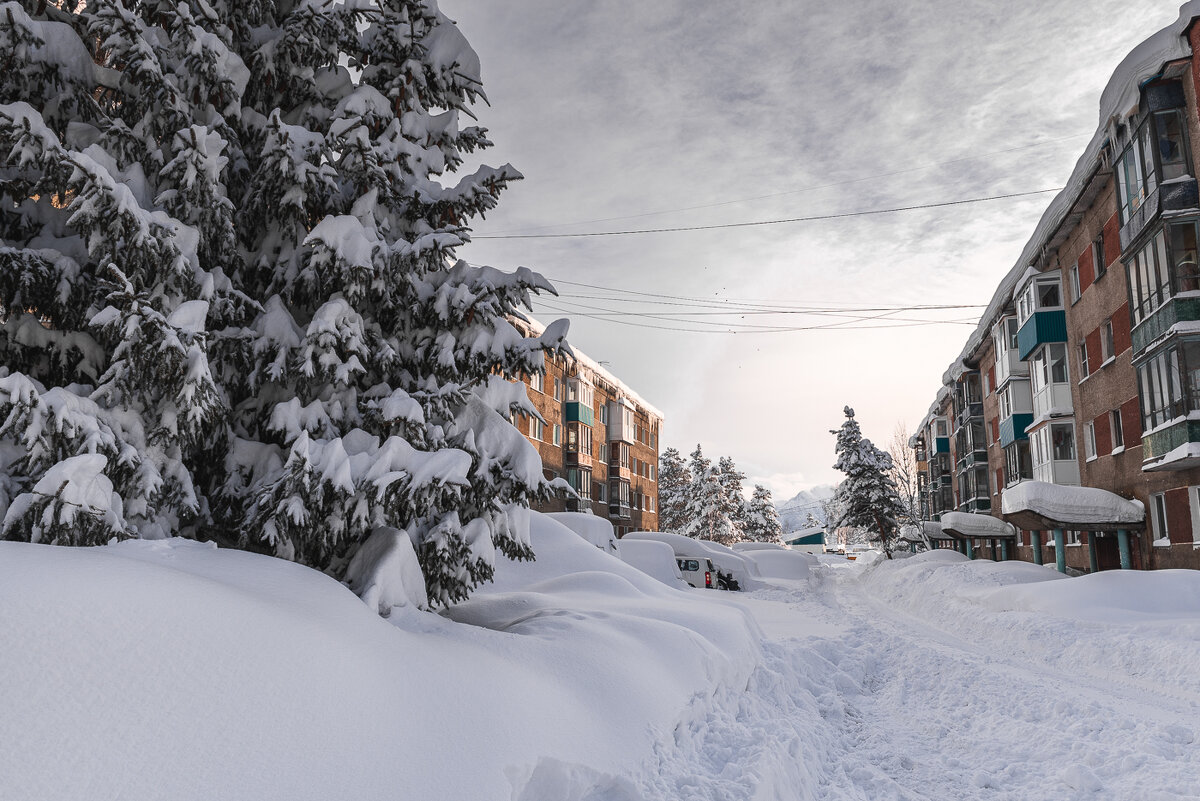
(231, 303)
(707, 509)
(674, 479)
(761, 518)
(733, 499)
(867, 498)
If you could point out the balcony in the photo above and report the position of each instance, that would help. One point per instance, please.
(580, 413)
(1177, 195)
(1013, 429)
(1167, 448)
(1042, 327)
(1160, 321)
(941, 445)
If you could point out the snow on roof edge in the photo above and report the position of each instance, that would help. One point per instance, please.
(537, 327)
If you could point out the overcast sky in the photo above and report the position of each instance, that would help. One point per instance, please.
(630, 115)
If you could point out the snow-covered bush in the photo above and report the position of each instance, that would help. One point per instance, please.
(231, 305)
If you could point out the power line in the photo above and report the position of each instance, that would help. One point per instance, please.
(813, 218)
(737, 308)
(749, 302)
(846, 182)
(848, 313)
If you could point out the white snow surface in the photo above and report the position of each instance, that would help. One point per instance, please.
(176, 670)
(1077, 505)
(655, 559)
(594, 529)
(976, 525)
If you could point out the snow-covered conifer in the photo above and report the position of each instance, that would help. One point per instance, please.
(674, 478)
(708, 509)
(761, 518)
(231, 297)
(733, 499)
(867, 499)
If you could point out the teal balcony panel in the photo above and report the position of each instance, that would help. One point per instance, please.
(580, 413)
(1042, 327)
(942, 445)
(1013, 429)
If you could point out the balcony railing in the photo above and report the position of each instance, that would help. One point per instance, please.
(1040, 328)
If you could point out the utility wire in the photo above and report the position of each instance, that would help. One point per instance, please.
(813, 218)
(846, 182)
(848, 313)
(731, 330)
(738, 308)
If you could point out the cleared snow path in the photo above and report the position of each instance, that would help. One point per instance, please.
(862, 695)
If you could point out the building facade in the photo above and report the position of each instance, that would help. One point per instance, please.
(1087, 360)
(599, 437)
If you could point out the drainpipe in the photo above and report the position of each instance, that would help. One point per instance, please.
(1126, 556)
(1060, 552)
(1035, 542)
(1093, 561)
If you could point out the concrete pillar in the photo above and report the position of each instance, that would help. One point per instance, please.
(1035, 542)
(1093, 561)
(1060, 550)
(1004, 554)
(1126, 555)
(970, 548)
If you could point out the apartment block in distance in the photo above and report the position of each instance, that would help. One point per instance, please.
(598, 435)
(1085, 368)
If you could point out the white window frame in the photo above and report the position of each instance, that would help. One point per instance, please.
(1194, 502)
(557, 434)
(1089, 440)
(1158, 516)
(1107, 343)
(536, 428)
(1084, 369)
(1117, 432)
(1073, 283)
(537, 382)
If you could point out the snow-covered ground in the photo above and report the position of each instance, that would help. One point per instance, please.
(173, 670)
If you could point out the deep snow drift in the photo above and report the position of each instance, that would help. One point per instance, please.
(174, 670)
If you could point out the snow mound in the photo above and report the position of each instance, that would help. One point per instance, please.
(781, 564)
(174, 669)
(596, 530)
(655, 559)
(1111, 596)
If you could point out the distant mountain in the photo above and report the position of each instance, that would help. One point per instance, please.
(793, 514)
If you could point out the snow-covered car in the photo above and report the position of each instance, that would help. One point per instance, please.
(697, 572)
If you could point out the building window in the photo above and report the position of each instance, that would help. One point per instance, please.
(535, 428)
(1183, 257)
(1073, 283)
(602, 413)
(1194, 502)
(1118, 434)
(1098, 260)
(601, 492)
(557, 434)
(1089, 440)
(1158, 516)
(581, 482)
(537, 381)
(1063, 435)
(1017, 465)
(1084, 370)
(1106, 341)
(1162, 381)
(557, 389)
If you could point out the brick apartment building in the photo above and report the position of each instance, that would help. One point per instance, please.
(600, 437)
(1085, 368)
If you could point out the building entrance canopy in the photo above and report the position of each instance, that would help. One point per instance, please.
(976, 526)
(1038, 506)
